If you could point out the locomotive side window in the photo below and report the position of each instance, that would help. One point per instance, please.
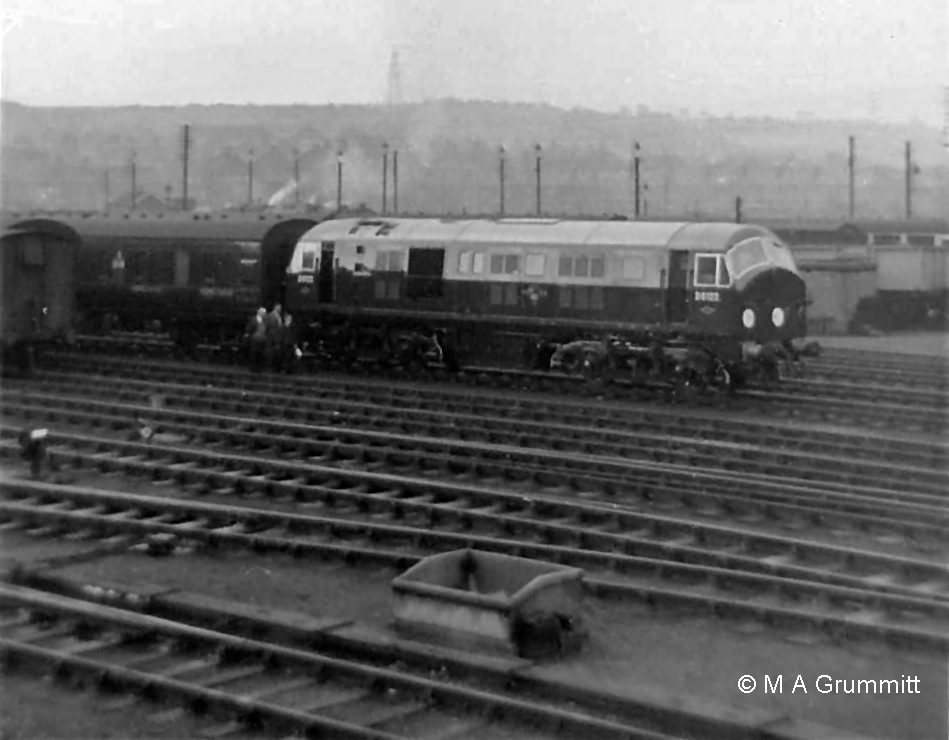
(389, 261)
(566, 266)
(505, 264)
(464, 262)
(477, 266)
(597, 267)
(534, 265)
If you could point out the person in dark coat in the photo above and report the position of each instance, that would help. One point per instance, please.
(273, 322)
(291, 346)
(255, 335)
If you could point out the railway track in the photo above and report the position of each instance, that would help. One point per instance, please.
(882, 367)
(242, 683)
(614, 471)
(603, 430)
(787, 580)
(873, 402)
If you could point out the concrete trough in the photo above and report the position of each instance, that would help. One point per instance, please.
(487, 601)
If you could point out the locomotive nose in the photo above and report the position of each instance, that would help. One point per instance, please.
(773, 306)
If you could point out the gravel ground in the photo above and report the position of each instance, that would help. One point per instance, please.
(921, 343)
(630, 650)
(34, 708)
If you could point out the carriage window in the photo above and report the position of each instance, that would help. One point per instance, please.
(582, 266)
(464, 262)
(308, 263)
(534, 265)
(706, 268)
(477, 266)
(497, 264)
(634, 268)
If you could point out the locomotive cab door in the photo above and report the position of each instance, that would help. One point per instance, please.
(327, 289)
(677, 291)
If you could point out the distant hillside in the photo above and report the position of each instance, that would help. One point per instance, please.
(448, 159)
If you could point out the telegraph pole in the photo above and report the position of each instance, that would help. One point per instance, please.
(134, 191)
(738, 209)
(395, 182)
(250, 178)
(385, 176)
(107, 197)
(909, 180)
(339, 181)
(296, 176)
(851, 164)
(537, 170)
(636, 177)
(501, 177)
(186, 146)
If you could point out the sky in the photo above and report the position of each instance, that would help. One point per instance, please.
(827, 58)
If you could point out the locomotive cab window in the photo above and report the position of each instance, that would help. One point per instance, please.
(745, 256)
(710, 271)
(308, 262)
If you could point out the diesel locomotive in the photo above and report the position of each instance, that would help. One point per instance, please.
(701, 301)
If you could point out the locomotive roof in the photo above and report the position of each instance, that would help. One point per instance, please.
(551, 232)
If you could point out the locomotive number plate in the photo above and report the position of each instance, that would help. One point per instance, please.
(305, 279)
(707, 295)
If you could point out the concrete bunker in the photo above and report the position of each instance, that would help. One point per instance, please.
(488, 601)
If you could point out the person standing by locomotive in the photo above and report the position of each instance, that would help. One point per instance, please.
(256, 334)
(290, 350)
(273, 322)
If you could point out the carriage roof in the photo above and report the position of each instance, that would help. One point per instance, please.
(661, 235)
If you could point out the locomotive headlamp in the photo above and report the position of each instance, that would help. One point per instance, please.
(777, 317)
(748, 318)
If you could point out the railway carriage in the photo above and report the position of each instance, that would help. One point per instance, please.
(609, 293)
(196, 276)
(38, 283)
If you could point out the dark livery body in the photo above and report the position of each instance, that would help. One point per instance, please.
(493, 288)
